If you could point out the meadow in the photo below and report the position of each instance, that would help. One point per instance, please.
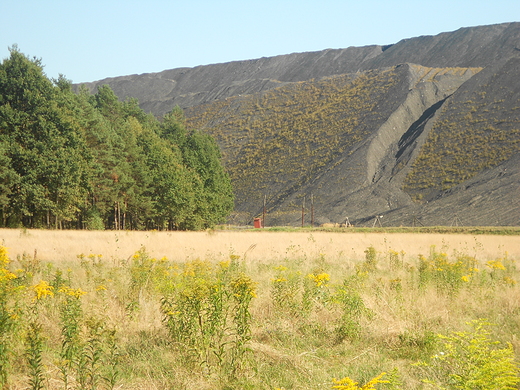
(262, 309)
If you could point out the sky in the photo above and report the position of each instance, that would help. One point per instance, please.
(89, 40)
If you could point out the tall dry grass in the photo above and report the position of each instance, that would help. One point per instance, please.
(54, 245)
(378, 308)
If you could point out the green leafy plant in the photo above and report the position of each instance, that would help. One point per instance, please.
(353, 309)
(7, 316)
(472, 360)
(33, 353)
(207, 314)
(285, 290)
(71, 315)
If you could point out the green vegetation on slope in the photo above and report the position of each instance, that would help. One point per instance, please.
(91, 161)
(288, 134)
(474, 132)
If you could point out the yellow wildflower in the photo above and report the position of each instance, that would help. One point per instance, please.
(319, 279)
(224, 264)
(42, 289)
(348, 384)
(234, 257)
(495, 264)
(345, 384)
(4, 258)
(72, 292)
(6, 274)
(243, 284)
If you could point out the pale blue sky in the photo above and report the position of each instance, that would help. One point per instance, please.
(92, 39)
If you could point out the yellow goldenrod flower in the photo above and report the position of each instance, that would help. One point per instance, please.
(321, 279)
(243, 285)
(345, 384)
(495, 264)
(6, 274)
(348, 384)
(42, 289)
(224, 264)
(4, 258)
(76, 293)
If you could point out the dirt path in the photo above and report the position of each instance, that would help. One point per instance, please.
(52, 245)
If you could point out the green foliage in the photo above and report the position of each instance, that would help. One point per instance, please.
(71, 314)
(92, 162)
(44, 148)
(370, 262)
(7, 315)
(207, 315)
(285, 291)
(33, 353)
(353, 310)
(472, 360)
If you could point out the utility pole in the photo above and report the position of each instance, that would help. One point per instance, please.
(312, 210)
(263, 214)
(303, 210)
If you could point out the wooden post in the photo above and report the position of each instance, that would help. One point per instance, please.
(263, 215)
(303, 210)
(312, 210)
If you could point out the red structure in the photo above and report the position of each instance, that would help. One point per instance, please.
(258, 222)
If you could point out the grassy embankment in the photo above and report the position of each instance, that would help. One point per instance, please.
(328, 305)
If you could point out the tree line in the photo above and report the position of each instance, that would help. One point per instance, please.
(90, 161)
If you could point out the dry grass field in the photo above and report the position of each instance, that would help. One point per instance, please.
(56, 246)
(258, 309)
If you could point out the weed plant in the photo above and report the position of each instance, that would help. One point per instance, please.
(423, 319)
